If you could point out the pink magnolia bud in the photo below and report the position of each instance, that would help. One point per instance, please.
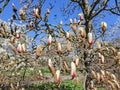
(50, 65)
(17, 35)
(90, 38)
(48, 11)
(23, 48)
(77, 61)
(19, 48)
(36, 12)
(75, 22)
(70, 21)
(59, 47)
(73, 70)
(58, 77)
(98, 45)
(81, 16)
(67, 35)
(31, 24)
(49, 39)
(69, 49)
(104, 26)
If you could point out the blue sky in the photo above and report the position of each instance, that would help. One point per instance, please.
(7, 13)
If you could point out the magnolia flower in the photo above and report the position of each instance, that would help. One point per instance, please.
(73, 70)
(82, 31)
(70, 21)
(22, 14)
(104, 26)
(94, 74)
(48, 11)
(36, 12)
(58, 77)
(59, 50)
(40, 74)
(31, 25)
(81, 16)
(102, 72)
(66, 66)
(90, 38)
(50, 65)
(67, 35)
(75, 22)
(38, 51)
(69, 49)
(98, 45)
(98, 77)
(12, 40)
(17, 34)
(77, 61)
(91, 86)
(19, 48)
(49, 39)
(23, 48)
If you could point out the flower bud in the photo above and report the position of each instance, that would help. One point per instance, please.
(19, 48)
(94, 74)
(81, 16)
(69, 49)
(38, 51)
(50, 65)
(90, 38)
(104, 26)
(22, 14)
(77, 61)
(70, 21)
(66, 66)
(98, 45)
(23, 48)
(67, 35)
(48, 11)
(36, 12)
(59, 50)
(58, 77)
(82, 32)
(73, 70)
(49, 39)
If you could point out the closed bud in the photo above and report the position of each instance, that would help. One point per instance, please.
(22, 14)
(57, 78)
(91, 86)
(23, 48)
(70, 21)
(59, 49)
(73, 70)
(82, 32)
(77, 61)
(19, 48)
(75, 22)
(67, 35)
(66, 66)
(104, 26)
(48, 11)
(31, 25)
(12, 40)
(50, 65)
(36, 12)
(17, 35)
(38, 51)
(94, 74)
(98, 77)
(69, 49)
(81, 16)
(98, 45)
(49, 39)
(90, 38)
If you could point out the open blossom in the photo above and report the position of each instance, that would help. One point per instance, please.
(73, 70)
(49, 39)
(104, 26)
(90, 38)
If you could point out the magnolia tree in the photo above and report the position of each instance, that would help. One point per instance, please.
(62, 51)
